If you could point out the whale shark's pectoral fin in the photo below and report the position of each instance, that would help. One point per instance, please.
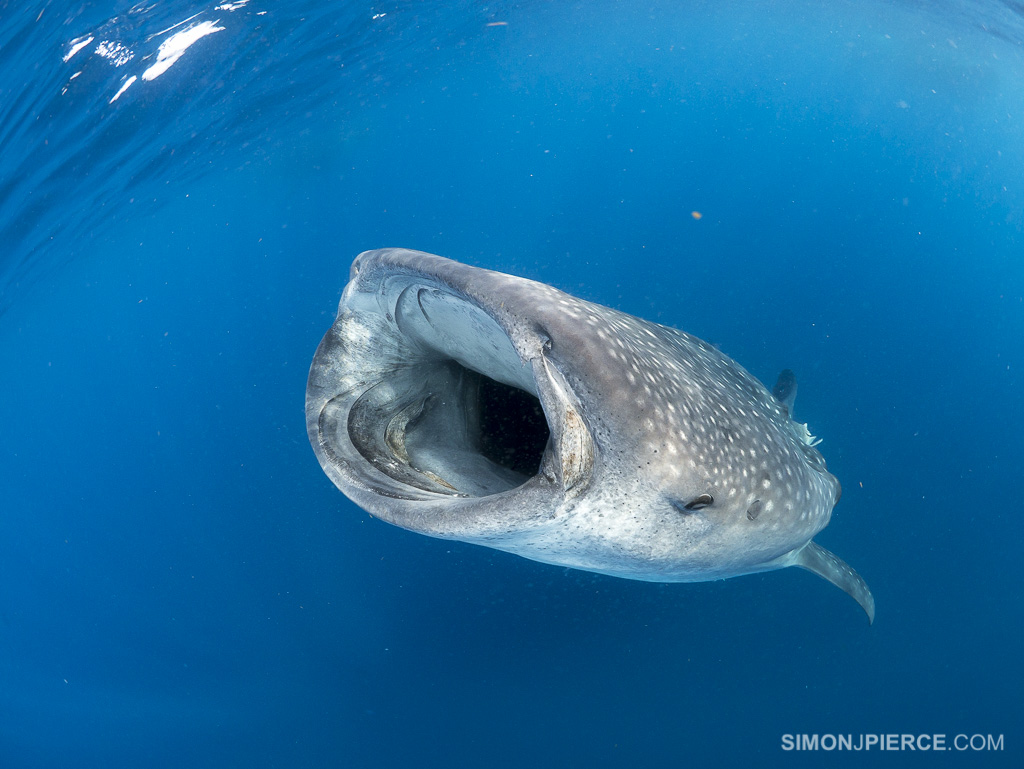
(814, 557)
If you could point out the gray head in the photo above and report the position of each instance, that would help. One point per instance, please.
(472, 405)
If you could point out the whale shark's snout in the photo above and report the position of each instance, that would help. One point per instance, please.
(472, 405)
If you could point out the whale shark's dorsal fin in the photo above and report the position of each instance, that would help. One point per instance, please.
(785, 393)
(814, 557)
(785, 390)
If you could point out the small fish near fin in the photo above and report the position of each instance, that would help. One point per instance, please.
(814, 557)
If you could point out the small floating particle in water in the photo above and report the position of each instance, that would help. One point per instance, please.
(696, 215)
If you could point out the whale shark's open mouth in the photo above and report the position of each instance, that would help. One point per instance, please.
(444, 425)
(441, 403)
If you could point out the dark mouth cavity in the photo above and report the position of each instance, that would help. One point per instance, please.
(513, 430)
(445, 428)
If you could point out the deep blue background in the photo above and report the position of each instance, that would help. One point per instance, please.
(181, 584)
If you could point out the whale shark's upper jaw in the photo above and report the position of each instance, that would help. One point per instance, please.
(468, 404)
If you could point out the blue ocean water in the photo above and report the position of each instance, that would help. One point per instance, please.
(182, 585)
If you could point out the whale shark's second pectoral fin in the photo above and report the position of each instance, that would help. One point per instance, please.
(824, 563)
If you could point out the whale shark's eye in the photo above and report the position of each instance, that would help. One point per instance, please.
(699, 503)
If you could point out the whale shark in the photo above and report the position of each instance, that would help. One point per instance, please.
(468, 404)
